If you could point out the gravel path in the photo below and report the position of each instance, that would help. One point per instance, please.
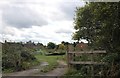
(35, 71)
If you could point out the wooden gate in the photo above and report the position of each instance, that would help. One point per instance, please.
(71, 58)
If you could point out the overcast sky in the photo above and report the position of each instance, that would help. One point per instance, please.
(38, 20)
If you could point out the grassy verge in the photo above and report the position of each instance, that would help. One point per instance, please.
(25, 65)
(52, 61)
(73, 73)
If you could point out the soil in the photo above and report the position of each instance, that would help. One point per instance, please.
(36, 71)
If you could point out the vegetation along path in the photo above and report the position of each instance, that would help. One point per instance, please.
(36, 71)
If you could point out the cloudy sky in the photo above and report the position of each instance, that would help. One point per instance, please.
(37, 20)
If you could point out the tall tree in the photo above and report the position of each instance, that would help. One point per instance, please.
(98, 24)
(51, 45)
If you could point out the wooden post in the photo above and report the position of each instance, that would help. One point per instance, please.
(92, 71)
(70, 59)
(68, 56)
(101, 73)
(92, 66)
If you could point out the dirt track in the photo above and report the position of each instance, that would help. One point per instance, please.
(35, 71)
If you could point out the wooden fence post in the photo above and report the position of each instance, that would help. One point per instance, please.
(68, 56)
(71, 61)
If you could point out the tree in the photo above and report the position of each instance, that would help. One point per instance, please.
(98, 24)
(76, 36)
(61, 46)
(51, 45)
(14, 55)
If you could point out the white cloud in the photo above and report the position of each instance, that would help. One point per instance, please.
(38, 20)
(21, 17)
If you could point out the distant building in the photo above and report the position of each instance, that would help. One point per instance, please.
(81, 46)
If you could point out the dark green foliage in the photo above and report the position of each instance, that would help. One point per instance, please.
(51, 45)
(55, 54)
(99, 24)
(27, 56)
(15, 57)
(112, 58)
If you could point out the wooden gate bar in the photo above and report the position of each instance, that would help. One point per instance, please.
(71, 61)
(83, 52)
(88, 63)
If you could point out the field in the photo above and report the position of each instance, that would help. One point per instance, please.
(51, 60)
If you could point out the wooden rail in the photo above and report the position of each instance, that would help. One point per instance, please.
(71, 61)
(71, 55)
(87, 63)
(83, 52)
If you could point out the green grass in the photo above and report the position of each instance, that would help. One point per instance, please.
(10, 70)
(73, 73)
(28, 65)
(52, 61)
(25, 65)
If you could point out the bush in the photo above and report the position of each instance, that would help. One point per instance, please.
(27, 56)
(112, 57)
(15, 57)
(51, 45)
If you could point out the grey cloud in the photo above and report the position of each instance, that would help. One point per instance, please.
(40, 35)
(69, 7)
(64, 31)
(21, 17)
(30, 35)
